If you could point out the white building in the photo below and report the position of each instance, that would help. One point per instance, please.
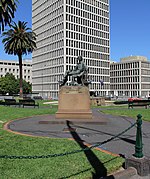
(130, 77)
(12, 66)
(66, 29)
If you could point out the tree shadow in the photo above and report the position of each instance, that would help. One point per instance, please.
(99, 169)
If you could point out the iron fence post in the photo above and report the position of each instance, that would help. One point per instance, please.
(139, 144)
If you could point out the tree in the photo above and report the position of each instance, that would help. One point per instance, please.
(27, 86)
(8, 84)
(19, 40)
(7, 10)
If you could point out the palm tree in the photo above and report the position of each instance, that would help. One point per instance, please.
(19, 40)
(7, 10)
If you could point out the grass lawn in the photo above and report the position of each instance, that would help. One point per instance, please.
(129, 112)
(75, 165)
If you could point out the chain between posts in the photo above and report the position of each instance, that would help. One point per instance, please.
(67, 153)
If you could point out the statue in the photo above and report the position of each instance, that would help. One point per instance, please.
(79, 73)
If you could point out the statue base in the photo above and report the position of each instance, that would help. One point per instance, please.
(74, 103)
(142, 165)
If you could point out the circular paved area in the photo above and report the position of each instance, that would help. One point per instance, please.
(99, 129)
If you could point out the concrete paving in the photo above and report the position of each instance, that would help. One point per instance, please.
(101, 128)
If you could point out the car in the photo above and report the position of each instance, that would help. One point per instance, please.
(133, 99)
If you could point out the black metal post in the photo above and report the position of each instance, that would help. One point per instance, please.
(139, 144)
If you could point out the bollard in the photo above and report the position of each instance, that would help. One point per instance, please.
(138, 161)
(139, 144)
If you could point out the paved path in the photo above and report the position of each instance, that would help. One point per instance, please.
(99, 129)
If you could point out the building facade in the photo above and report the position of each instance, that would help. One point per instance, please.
(66, 29)
(12, 66)
(130, 77)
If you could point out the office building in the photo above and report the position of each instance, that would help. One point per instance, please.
(12, 66)
(130, 77)
(66, 29)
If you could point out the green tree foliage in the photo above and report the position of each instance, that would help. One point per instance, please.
(19, 40)
(7, 10)
(9, 84)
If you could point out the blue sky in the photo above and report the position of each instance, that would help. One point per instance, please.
(129, 27)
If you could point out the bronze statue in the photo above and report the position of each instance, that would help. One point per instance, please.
(79, 73)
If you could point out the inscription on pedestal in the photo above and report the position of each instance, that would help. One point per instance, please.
(74, 103)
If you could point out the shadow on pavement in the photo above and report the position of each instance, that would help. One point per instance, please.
(101, 132)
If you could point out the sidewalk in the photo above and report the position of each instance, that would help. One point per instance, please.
(97, 130)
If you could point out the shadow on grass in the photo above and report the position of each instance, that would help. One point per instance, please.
(99, 169)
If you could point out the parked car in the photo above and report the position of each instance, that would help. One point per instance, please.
(132, 99)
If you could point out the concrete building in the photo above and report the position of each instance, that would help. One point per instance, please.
(12, 66)
(66, 29)
(130, 77)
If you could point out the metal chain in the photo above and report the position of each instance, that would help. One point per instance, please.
(67, 153)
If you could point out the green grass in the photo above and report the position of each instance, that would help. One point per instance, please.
(75, 165)
(129, 112)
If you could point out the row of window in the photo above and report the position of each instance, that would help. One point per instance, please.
(145, 65)
(82, 52)
(145, 86)
(124, 72)
(47, 79)
(88, 30)
(145, 72)
(49, 63)
(88, 62)
(49, 23)
(5, 70)
(48, 6)
(48, 55)
(42, 20)
(123, 66)
(49, 41)
(87, 23)
(48, 46)
(14, 64)
(125, 80)
(84, 45)
(82, 5)
(88, 47)
(145, 79)
(87, 14)
(82, 13)
(86, 38)
(99, 88)
(49, 32)
(124, 86)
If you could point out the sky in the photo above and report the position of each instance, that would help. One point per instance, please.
(129, 28)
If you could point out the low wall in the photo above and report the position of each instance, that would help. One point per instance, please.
(97, 101)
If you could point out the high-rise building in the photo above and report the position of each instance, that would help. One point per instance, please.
(130, 77)
(66, 29)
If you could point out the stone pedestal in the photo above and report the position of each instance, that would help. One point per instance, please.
(74, 103)
(142, 165)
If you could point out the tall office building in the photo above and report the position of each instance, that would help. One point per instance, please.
(66, 29)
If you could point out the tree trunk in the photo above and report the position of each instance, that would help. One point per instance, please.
(20, 72)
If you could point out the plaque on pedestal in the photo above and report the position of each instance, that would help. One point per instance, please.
(74, 103)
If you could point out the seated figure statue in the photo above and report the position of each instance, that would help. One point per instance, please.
(79, 72)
